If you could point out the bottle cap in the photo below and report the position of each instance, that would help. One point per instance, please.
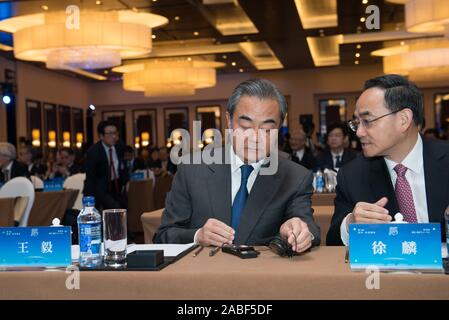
(89, 201)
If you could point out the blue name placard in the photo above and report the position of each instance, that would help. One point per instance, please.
(136, 176)
(395, 246)
(53, 185)
(35, 247)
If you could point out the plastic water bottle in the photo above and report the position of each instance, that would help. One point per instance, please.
(89, 234)
(319, 182)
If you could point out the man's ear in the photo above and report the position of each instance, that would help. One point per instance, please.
(229, 120)
(406, 118)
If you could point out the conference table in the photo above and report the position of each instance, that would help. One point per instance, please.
(320, 274)
(152, 220)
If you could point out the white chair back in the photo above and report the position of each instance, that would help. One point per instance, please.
(37, 182)
(20, 187)
(76, 182)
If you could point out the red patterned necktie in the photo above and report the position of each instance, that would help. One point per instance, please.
(404, 195)
(113, 172)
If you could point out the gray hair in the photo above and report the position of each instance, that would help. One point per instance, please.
(260, 88)
(8, 150)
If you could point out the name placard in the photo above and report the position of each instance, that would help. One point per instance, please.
(137, 176)
(53, 185)
(35, 247)
(395, 246)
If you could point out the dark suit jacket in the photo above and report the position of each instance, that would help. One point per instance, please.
(325, 161)
(98, 176)
(17, 170)
(202, 191)
(368, 180)
(308, 160)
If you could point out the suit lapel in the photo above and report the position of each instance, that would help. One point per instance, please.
(261, 195)
(381, 185)
(219, 188)
(437, 178)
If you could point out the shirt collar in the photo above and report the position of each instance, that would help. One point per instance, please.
(9, 166)
(107, 148)
(337, 154)
(413, 161)
(236, 162)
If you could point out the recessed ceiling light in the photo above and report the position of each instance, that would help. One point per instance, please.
(224, 56)
(189, 59)
(98, 2)
(357, 55)
(44, 7)
(105, 71)
(196, 33)
(359, 46)
(153, 36)
(233, 64)
(402, 43)
(362, 19)
(365, 1)
(241, 70)
(154, 0)
(356, 62)
(177, 18)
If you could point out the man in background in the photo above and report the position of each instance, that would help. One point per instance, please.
(10, 168)
(105, 169)
(335, 155)
(299, 152)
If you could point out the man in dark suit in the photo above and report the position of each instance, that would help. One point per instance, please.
(9, 167)
(335, 155)
(239, 201)
(300, 153)
(400, 171)
(67, 166)
(105, 169)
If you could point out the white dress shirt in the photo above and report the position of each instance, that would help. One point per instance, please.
(415, 177)
(114, 159)
(299, 154)
(7, 171)
(334, 158)
(236, 176)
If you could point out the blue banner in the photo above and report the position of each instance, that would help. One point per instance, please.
(395, 246)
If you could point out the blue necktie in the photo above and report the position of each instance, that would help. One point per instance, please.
(240, 197)
(337, 161)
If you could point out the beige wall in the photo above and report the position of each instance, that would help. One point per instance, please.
(302, 86)
(47, 86)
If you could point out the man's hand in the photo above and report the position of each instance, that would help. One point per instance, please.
(370, 212)
(215, 233)
(297, 234)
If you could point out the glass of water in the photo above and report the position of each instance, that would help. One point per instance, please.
(114, 237)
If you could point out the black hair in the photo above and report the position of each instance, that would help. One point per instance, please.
(338, 125)
(103, 124)
(129, 149)
(69, 151)
(399, 94)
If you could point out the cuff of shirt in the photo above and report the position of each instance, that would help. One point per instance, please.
(195, 237)
(344, 233)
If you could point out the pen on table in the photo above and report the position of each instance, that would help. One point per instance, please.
(347, 255)
(197, 252)
(213, 251)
